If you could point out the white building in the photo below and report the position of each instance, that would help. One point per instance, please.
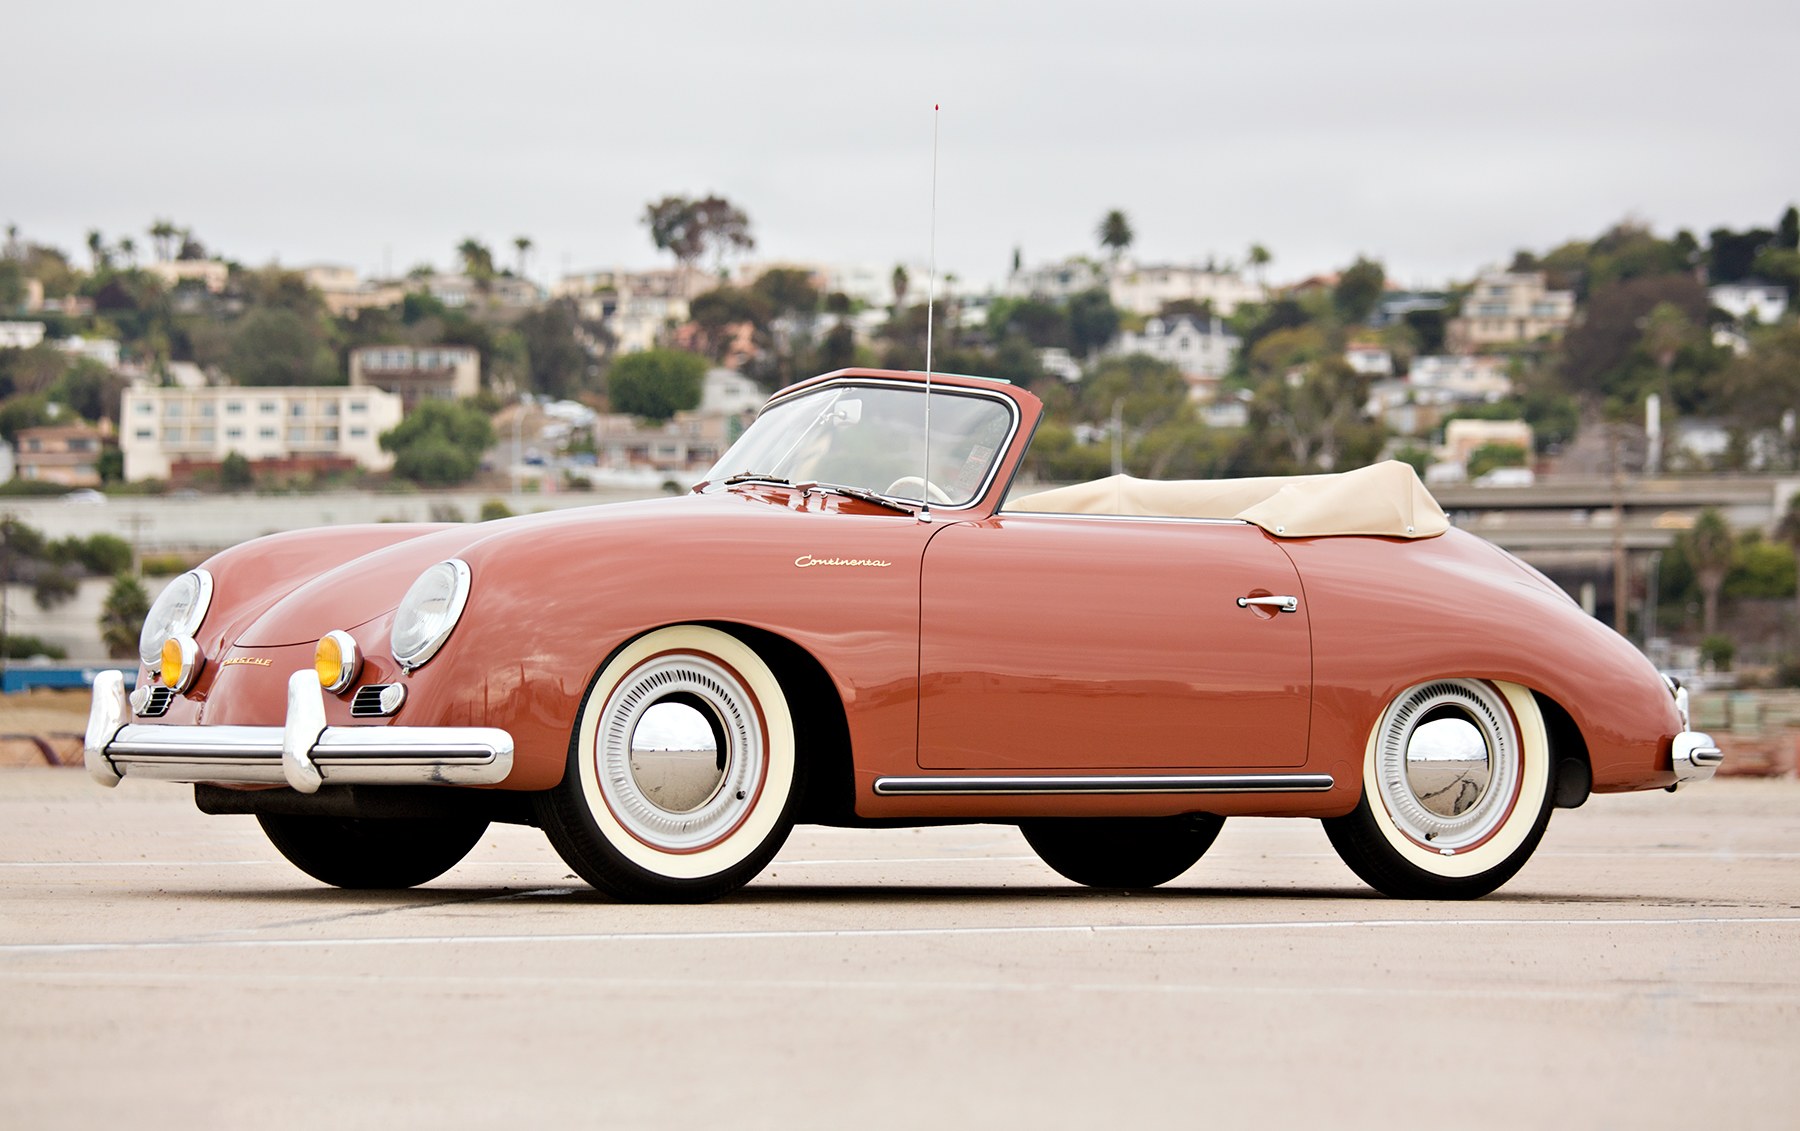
(20, 335)
(1056, 282)
(1203, 353)
(209, 273)
(1766, 302)
(1370, 360)
(1147, 289)
(106, 351)
(163, 427)
(1460, 377)
(726, 392)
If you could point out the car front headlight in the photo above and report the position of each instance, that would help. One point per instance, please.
(177, 611)
(429, 611)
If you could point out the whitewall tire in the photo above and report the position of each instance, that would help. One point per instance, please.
(682, 776)
(1457, 785)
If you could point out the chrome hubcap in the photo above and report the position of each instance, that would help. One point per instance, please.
(1447, 763)
(680, 752)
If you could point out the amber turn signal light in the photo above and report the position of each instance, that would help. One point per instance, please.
(180, 662)
(336, 660)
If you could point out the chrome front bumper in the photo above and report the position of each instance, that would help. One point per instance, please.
(303, 752)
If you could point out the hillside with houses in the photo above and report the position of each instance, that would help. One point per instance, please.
(157, 364)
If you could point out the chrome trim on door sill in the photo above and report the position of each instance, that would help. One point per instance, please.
(1103, 784)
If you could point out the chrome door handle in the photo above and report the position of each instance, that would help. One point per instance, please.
(1284, 604)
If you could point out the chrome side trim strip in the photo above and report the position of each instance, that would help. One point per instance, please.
(1102, 784)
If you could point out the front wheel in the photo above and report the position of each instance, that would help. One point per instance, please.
(1121, 852)
(1456, 791)
(682, 776)
(369, 853)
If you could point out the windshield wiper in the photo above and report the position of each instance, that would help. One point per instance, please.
(863, 494)
(757, 477)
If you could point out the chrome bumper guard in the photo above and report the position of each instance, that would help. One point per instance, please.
(303, 753)
(1695, 756)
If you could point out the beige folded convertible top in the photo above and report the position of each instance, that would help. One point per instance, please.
(1384, 499)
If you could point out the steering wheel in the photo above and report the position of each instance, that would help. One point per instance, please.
(908, 486)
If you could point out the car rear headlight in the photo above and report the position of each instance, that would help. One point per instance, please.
(177, 611)
(180, 661)
(336, 660)
(429, 611)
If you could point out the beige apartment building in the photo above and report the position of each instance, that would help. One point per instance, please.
(166, 429)
(65, 454)
(1510, 308)
(417, 373)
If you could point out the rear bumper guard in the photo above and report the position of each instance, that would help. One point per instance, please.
(1694, 756)
(303, 753)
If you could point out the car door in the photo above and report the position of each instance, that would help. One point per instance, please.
(1058, 643)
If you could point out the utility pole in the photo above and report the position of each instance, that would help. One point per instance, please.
(1621, 569)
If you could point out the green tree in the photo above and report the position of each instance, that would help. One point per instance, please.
(1359, 289)
(1710, 551)
(439, 443)
(522, 244)
(556, 362)
(656, 383)
(1489, 456)
(1762, 386)
(274, 346)
(902, 281)
(235, 473)
(477, 259)
(688, 229)
(1115, 234)
(1093, 321)
(123, 615)
(492, 509)
(722, 312)
(1259, 260)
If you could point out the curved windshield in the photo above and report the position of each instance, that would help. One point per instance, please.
(872, 438)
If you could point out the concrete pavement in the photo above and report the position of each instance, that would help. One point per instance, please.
(161, 968)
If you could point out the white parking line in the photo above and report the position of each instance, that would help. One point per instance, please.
(565, 984)
(876, 933)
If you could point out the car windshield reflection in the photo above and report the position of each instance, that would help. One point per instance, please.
(872, 438)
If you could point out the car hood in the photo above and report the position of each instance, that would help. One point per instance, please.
(370, 586)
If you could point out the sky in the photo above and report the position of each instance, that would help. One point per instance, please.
(1436, 137)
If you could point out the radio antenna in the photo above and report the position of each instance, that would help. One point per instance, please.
(930, 318)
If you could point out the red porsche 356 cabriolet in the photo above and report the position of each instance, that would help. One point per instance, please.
(856, 619)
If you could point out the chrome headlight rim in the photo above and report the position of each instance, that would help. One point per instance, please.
(417, 655)
(161, 616)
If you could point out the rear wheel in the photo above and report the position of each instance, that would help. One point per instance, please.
(1121, 852)
(372, 853)
(1456, 791)
(682, 777)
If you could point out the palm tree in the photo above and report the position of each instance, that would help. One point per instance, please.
(1115, 234)
(128, 249)
(1710, 550)
(96, 245)
(162, 234)
(901, 282)
(1259, 259)
(523, 243)
(478, 261)
(1788, 530)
